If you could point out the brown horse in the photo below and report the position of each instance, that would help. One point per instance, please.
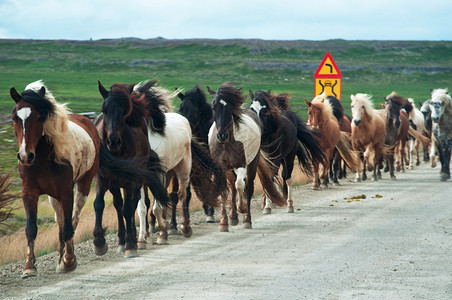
(58, 150)
(235, 144)
(368, 133)
(321, 119)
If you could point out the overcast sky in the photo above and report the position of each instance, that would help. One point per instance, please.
(181, 19)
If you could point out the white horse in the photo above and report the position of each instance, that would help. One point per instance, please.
(417, 118)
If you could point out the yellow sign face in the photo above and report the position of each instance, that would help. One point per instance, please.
(331, 86)
(328, 68)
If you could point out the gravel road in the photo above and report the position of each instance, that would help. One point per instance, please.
(394, 244)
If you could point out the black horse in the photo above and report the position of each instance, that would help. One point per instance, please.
(284, 136)
(198, 111)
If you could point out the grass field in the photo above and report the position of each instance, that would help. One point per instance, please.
(71, 70)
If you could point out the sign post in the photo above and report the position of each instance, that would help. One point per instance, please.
(328, 78)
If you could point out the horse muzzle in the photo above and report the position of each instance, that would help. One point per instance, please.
(26, 158)
(357, 122)
(222, 138)
(435, 119)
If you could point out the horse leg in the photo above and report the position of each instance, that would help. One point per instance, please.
(185, 195)
(267, 204)
(142, 216)
(131, 197)
(174, 197)
(324, 177)
(416, 147)
(288, 182)
(209, 211)
(162, 226)
(223, 224)
(446, 152)
(100, 247)
(411, 154)
(68, 262)
(433, 151)
(240, 186)
(249, 176)
(316, 180)
(118, 204)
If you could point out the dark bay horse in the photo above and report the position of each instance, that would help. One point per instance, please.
(235, 144)
(441, 113)
(122, 129)
(56, 151)
(198, 111)
(284, 136)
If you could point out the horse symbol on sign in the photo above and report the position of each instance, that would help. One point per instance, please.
(328, 78)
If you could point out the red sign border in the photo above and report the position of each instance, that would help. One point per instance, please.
(328, 55)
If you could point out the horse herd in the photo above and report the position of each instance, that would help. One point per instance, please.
(215, 150)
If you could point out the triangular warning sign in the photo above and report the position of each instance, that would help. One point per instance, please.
(328, 68)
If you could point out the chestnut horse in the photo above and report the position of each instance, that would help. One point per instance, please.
(122, 129)
(321, 119)
(235, 144)
(441, 108)
(368, 133)
(56, 151)
(284, 136)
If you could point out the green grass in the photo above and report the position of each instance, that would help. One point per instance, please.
(71, 70)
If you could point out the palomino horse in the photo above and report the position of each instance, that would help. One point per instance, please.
(184, 159)
(441, 108)
(330, 138)
(235, 144)
(284, 136)
(122, 129)
(56, 151)
(368, 133)
(198, 111)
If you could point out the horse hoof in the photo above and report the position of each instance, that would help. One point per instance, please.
(161, 241)
(173, 231)
(234, 222)
(267, 211)
(444, 176)
(141, 245)
(153, 229)
(247, 225)
(210, 219)
(129, 253)
(358, 180)
(99, 251)
(121, 249)
(393, 178)
(66, 266)
(374, 179)
(223, 228)
(336, 184)
(29, 273)
(290, 210)
(187, 232)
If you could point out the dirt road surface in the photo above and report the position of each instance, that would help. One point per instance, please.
(397, 246)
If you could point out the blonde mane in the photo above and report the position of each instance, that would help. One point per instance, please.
(56, 126)
(366, 101)
(321, 102)
(443, 96)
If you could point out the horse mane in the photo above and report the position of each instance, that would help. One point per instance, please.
(325, 106)
(135, 108)
(442, 95)
(234, 97)
(393, 97)
(55, 117)
(366, 101)
(338, 110)
(282, 100)
(157, 101)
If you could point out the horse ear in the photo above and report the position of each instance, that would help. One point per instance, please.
(307, 103)
(42, 91)
(251, 95)
(15, 95)
(431, 91)
(212, 93)
(102, 90)
(352, 97)
(180, 95)
(269, 92)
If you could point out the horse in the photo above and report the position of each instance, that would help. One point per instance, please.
(330, 138)
(441, 108)
(235, 144)
(336, 169)
(416, 119)
(58, 150)
(427, 113)
(368, 133)
(198, 111)
(184, 159)
(122, 129)
(285, 136)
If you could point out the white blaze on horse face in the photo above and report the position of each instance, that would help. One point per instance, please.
(223, 102)
(23, 114)
(256, 105)
(436, 109)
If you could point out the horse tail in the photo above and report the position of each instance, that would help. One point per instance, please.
(310, 152)
(207, 178)
(420, 137)
(265, 172)
(129, 169)
(344, 147)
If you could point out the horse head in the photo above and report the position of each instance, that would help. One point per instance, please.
(266, 108)
(393, 105)
(361, 107)
(116, 107)
(440, 101)
(314, 115)
(226, 107)
(191, 106)
(32, 110)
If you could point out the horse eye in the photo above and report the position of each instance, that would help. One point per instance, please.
(362, 106)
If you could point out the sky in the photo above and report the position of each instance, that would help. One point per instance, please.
(227, 19)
